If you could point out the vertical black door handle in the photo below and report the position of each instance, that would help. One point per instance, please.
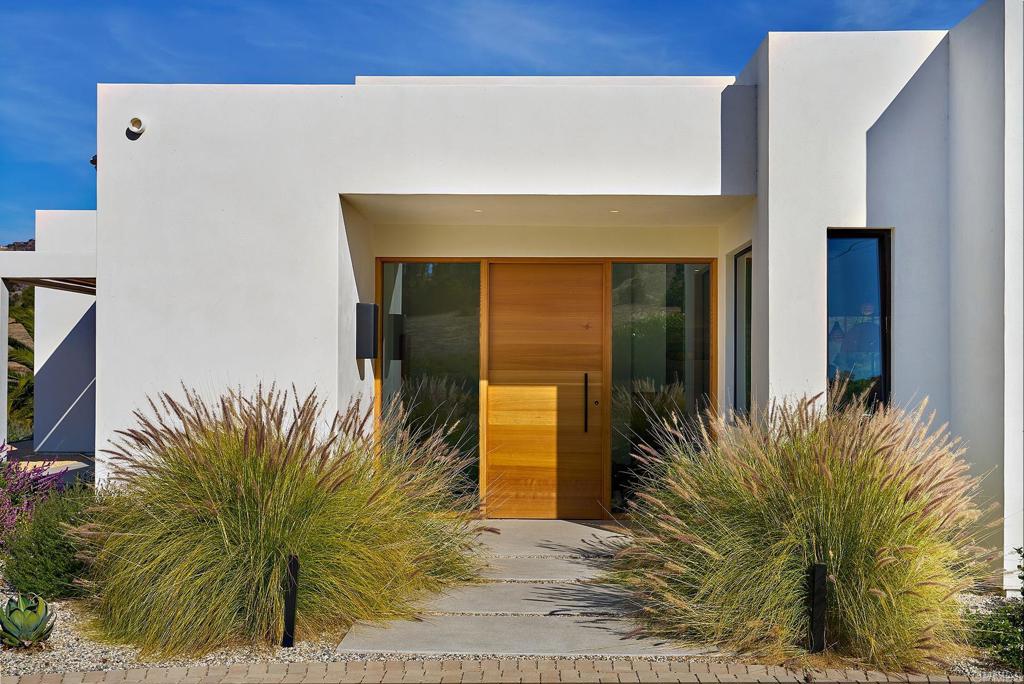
(586, 399)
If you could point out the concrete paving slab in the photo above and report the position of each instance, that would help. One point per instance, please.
(508, 635)
(550, 537)
(556, 598)
(533, 569)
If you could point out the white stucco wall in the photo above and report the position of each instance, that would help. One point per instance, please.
(826, 91)
(222, 260)
(356, 283)
(65, 343)
(756, 74)
(734, 236)
(919, 132)
(907, 190)
(227, 256)
(986, 299)
(1013, 294)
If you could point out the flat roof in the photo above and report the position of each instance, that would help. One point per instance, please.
(717, 81)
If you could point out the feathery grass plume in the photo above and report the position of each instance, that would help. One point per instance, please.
(189, 554)
(448, 404)
(730, 522)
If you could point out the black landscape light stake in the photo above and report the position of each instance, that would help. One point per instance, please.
(291, 590)
(817, 580)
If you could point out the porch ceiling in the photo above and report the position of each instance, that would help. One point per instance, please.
(548, 210)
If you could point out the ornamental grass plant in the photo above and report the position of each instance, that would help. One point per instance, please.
(190, 552)
(732, 514)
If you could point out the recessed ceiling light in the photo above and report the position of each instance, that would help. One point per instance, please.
(478, 211)
(613, 211)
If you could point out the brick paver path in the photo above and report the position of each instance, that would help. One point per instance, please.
(478, 670)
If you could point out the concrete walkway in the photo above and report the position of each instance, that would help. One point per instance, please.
(541, 596)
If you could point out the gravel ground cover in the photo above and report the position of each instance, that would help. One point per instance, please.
(69, 649)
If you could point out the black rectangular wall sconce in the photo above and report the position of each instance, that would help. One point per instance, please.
(366, 331)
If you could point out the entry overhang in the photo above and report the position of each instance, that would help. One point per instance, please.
(69, 272)
(668, 211)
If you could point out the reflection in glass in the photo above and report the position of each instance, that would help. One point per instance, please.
(661, 354)
(855, 315)
(741, 368)
(431, 340)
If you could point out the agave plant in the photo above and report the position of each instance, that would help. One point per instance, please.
(26, 620)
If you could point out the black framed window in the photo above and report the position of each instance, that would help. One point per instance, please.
(859, 304)
(742, 296)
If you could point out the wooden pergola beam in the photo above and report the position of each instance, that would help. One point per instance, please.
(79, 285)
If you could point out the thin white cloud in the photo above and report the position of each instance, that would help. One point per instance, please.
(551, 37)
(142, 49)
(885, 14)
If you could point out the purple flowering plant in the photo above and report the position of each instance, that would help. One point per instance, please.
(22, 486)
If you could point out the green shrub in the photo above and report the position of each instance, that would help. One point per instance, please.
(41, 556)
(190, 553)
(728, 524)
(999, 633)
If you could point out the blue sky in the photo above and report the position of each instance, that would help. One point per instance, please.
(53, 53)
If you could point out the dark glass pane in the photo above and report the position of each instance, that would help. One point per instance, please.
(855, 342)
(661, 354)
(431, 356)
(741, 399)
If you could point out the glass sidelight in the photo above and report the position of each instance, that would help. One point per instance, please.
(661, 354)
(431, 345)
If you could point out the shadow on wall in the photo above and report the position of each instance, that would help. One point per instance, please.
(356, 261)
(907, 188)
(65, 387)
(739, 140)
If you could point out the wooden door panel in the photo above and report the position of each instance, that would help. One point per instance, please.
(546, 329)
(528, 357)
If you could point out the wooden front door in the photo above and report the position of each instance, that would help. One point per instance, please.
(546, 415)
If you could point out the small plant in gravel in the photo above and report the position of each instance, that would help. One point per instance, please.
(22, 486)
(190, 553)
(729, 521)
(25, 621)
(42, 556)
(999, 632)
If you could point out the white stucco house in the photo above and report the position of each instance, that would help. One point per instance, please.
(547, 253)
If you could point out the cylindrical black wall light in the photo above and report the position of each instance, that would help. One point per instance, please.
(366, 331)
